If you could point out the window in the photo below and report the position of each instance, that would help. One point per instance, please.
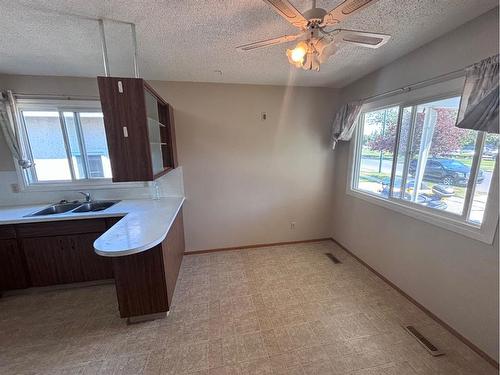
(67, 144)
(377, 150)
(414, 158)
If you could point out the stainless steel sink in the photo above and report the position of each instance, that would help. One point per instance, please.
(56, 209)
(95, 206)
(60, 208)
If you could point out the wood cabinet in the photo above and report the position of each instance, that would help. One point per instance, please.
(145, 281)
(13, 272)
(65, 259)
(49, 253)
(173, 250)
(140, 129)
(60, 252)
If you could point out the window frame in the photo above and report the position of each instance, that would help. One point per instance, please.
(26, 182)
(484, 232)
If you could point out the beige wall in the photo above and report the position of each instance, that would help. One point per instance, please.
(453, 276)
(245, 179)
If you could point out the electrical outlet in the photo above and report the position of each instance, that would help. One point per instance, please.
(263, 116)
(292, 225)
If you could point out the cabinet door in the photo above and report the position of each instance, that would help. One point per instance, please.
(64, 259)
(94, 267)
(140, 283)
(12, 266)
(173, 250)
(125, 119)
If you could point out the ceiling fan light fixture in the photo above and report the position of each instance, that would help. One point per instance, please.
(317, 44)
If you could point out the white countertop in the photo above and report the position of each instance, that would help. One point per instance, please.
(145, 223)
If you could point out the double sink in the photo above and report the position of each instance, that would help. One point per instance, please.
(76, 207)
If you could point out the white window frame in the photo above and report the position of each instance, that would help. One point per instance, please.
(459, 224)
(25, 183)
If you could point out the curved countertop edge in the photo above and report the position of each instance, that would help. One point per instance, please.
(116, 241)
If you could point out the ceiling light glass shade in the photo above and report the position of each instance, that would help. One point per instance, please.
(325, 50)
(297, 56)
(312, 61)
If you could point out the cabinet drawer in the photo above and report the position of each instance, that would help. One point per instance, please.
(60, 228)
(7, 232)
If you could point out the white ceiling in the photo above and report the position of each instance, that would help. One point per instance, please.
(189, 40)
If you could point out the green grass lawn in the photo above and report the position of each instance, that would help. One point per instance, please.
(487, 165)
(367, 153)
(373, 176)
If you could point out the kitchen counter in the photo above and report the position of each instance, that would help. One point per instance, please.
(145, 223)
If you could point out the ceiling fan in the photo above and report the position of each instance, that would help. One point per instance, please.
(316, 44)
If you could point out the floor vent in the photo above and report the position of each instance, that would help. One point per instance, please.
(423, 341)
(333, 258)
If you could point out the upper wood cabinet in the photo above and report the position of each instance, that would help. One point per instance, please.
(139, 129)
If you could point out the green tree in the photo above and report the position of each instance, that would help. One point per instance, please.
(447, 138)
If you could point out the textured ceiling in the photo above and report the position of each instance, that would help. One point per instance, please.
(190, 40)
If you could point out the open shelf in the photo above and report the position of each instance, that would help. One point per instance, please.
(156, 122)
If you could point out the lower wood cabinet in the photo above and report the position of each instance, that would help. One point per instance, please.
(49, 253)
(13, 274)
(65, 259)
(60, 252)
(173, 250)
(145, 281)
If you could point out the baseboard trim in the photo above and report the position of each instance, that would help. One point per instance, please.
(423, 308)
(256, 246)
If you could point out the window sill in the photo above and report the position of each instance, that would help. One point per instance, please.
(485, 233)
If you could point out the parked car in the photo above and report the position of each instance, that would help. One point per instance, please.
(446, 171)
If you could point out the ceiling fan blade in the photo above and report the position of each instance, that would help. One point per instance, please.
(289, 12)
(362, 38)
(269, 42)
(344, 10)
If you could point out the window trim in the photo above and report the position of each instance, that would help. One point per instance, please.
(60, 106)
(459, 224)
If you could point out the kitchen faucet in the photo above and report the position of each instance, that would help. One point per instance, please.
(88, 197)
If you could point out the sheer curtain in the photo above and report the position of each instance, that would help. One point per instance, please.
(479, 105)
(8, 128)
(344, 122)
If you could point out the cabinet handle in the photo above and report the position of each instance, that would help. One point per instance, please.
(125, 132)
(120, 87)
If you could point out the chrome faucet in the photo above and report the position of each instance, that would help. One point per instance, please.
(88, 197)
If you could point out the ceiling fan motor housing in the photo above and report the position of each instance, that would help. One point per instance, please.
(315, 15)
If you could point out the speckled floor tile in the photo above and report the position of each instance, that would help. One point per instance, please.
(277, 310)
